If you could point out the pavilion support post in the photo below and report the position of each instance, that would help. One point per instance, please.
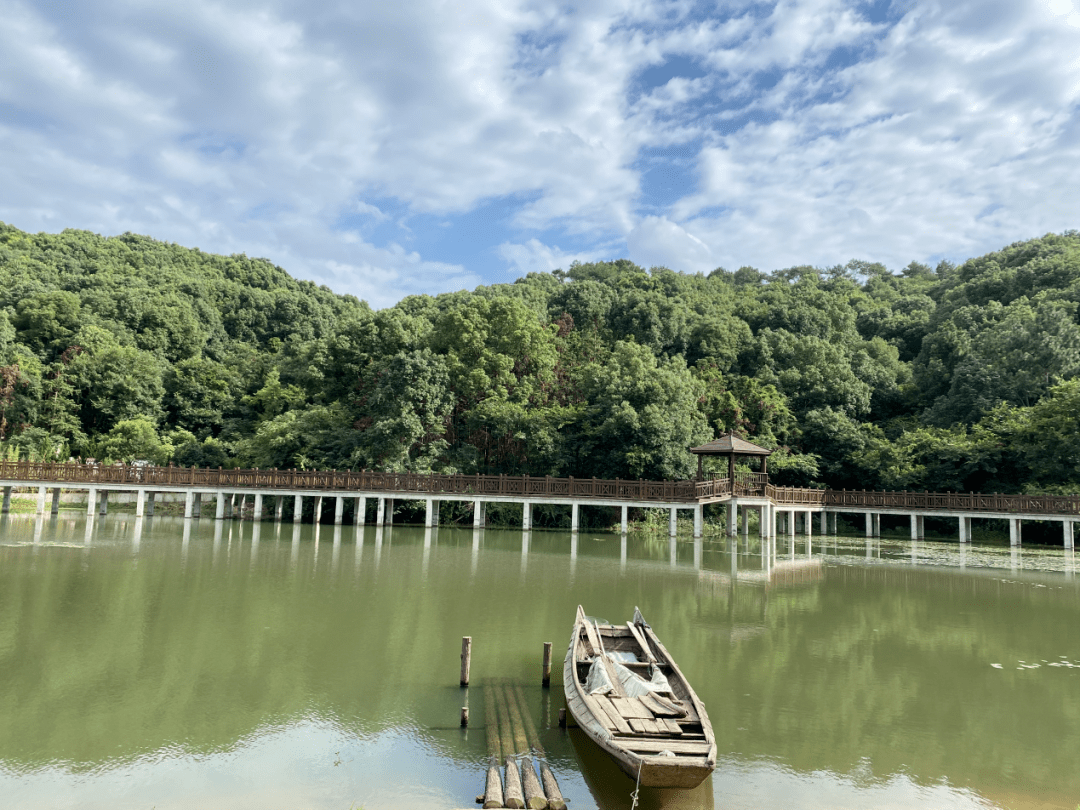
(877, 524)
(479, 514)
(699, 520)
(763, 521)
(279, 508)
(360, 513)
(1014, 531)
(1067, 528)
(380, 513)
(732, 518)
(389, 511)
(190, 500)
(104, 502)
(824, 523)
(318, 509)
(40, 508)
(220, 513)
(789, 522)
(869, 524)
(91, 501)
(150, 496)
(256, 513)
(808, 523)
(526, 516)
(673, 522)
(574, 515)
(623, 521)
(140, 502)
(196, 504)
(56, 500)
(746, 521)
(922, 527)
(6, 508)
(963, 530)
(339, 509)
(298, 508)
(914, 527)
(429, 513)
(230, 500)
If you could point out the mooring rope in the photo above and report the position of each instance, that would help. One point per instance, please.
(637, 787)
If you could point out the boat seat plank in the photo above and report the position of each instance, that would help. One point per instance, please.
(674, 746)
(631, 707)
(671, 726)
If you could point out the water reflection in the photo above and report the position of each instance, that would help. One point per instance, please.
(846, 672)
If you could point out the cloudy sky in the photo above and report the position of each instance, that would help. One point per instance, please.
(389, 148)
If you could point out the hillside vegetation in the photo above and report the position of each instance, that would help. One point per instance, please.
(946, 378)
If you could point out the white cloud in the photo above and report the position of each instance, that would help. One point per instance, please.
(320, 135)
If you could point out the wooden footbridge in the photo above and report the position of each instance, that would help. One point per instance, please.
(781, 509)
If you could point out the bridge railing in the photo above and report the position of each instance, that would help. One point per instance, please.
(363, 481)
(524, 486)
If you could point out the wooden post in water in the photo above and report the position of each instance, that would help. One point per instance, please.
(464, 716)
(545, 681)
(466, 659)
(555, 800)
(533, 793)
(493, 791)
(562, 717)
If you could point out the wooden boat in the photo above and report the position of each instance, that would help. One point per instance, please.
(629, 697)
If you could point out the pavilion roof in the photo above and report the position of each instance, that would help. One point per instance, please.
(728, 444)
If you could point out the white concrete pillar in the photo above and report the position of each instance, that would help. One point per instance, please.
(389, 511)
(380, 512)
(189, 504)
(869, 524)
(91, 501)
(7, 501)
(763, 521)
(922, 527)
(573, 517)
(196, 504)
(360, 512)
(256, 510)
(339, 509)
(808, 523)
(835, 517)
(40, 510)
(673, 522)
(789, 521)
(478, 514)
(963, 530)
(824, 523)
(732, 518)
(699, 521)
(150, 503)
(745, 521)
(56, 500)
(318, 508)
(1014, 531)
(914, 526)
(298, 508)
(526, 516)
(623, 521)
(104, 502)
(219, 514)
(429, 513)
(140, 501)
(1067, 530)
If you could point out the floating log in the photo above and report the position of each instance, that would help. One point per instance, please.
(530, 785)
(551, 786)
(493, 791)
(513, 795)
(545, 681)
(466, 659)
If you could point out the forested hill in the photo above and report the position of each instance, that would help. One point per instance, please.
(946, 378)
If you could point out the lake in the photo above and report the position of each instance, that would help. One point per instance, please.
(158, 663)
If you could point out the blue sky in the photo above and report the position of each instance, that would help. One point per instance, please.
(385, 149)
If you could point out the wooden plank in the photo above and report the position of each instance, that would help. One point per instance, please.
(670, 724)
(590, 631)
(674, 746)
(640, 639)
(638, 725)
(631, 707)
(662, 707)
(618, 723)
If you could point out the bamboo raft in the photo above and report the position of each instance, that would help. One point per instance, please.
(659, 734)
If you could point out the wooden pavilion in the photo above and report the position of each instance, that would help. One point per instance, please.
(731, 446)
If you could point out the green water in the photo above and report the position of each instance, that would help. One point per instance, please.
(223, 665)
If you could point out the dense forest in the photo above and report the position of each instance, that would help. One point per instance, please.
(941, 378)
